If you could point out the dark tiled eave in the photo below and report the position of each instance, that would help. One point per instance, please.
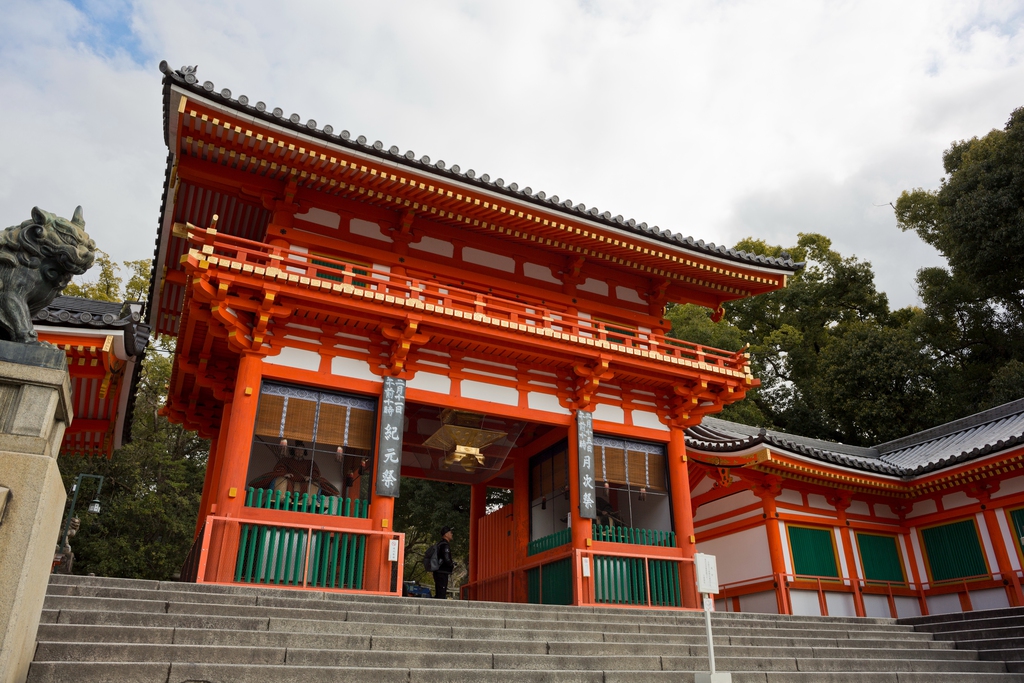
(80, 313)
(185, 78)
(720, 436)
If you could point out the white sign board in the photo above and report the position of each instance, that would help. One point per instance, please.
(707, 573)
(586, 566)
(393, 550)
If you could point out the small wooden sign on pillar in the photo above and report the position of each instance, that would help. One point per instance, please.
(392, 426)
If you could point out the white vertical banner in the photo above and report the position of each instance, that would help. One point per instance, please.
(585, 452)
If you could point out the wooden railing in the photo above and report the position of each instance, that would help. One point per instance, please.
(634, 536)
(269, 499)
(291, 555)
(514, 311)
(555, 540)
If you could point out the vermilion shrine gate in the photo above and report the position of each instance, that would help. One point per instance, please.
(348, 315)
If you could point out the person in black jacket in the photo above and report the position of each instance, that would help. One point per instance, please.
(444, 555)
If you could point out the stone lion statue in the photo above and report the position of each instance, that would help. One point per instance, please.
(37, 260)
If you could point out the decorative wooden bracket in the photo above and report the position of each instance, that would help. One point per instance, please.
(402, 340)
(577, 393)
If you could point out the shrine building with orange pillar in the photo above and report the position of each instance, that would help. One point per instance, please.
(348, 315)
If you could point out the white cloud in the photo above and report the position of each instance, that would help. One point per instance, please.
(715, 119)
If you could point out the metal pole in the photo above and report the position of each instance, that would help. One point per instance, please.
(71, 513)
(707, 628)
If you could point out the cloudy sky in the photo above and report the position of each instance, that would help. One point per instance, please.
(719, 120)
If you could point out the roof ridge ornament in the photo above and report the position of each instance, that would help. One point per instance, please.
(189, 74)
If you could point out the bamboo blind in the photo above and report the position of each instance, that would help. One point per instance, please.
(268, 416)
(300, 419)
(360, 429)
(330, 428)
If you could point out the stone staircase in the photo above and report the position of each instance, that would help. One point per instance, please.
(97, 629)
(997, 634)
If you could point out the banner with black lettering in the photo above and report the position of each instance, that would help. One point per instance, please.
(585, 451)
(389, 448)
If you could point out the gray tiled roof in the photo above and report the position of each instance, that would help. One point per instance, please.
(933, 449)
(185, 77)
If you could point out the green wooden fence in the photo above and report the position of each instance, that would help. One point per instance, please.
(634, 536)
(269, 499)
(277, 555)
(559, 538)
(550, 584)
(622, 581)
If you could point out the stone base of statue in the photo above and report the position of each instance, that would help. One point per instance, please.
(35, 409)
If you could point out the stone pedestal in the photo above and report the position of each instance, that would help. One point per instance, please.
(35, 409)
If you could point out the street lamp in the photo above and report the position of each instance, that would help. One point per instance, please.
(94, 506)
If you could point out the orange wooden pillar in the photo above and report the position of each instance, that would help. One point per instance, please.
(1009, 576)
(477, 510)
(228, 489)
(841, 503)
(521, 525)
(682, 512)
(766, 491)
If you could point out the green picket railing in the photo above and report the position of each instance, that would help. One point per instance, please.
(622, 581)
(550, 584)
(559, 538)
(634, 536)
(277, 555)
(269, 499)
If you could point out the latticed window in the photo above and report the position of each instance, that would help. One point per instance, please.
(814, 551)
(880, 558)
(312, 442)
(954, 551)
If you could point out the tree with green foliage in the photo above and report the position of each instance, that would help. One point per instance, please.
(833, 361)
(153, 485)
(974, 309)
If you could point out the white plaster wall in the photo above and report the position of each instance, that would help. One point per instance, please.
(1010, 486)
(735, 501)
(990, 598)
(841, 551)
(918, 555)
(367, 229)
(761, 603)
(429, 381)
(705, 485)
(818, 501)
(1009, 542)
(350, 367)
(493, 393)
(648, 420)
(432, 245)
(955, 500)
(628, 294)
(790, 497)
(299, 359)
(740, 556)
(594, 286)
(787, 556)
(328, 219)
(923, 507)
(884, 511)
(546, 402)
(805, 603)
(943, 604)
(986, 542)
(859, 507)
(488, 259)
(907, 606)
(538, 272)
(840, 604)
(874, 606)
(609, 413)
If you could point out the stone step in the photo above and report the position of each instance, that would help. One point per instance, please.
(991, 622)
(63, 582)
(51, 636)
(965, 616)
(190, 672)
